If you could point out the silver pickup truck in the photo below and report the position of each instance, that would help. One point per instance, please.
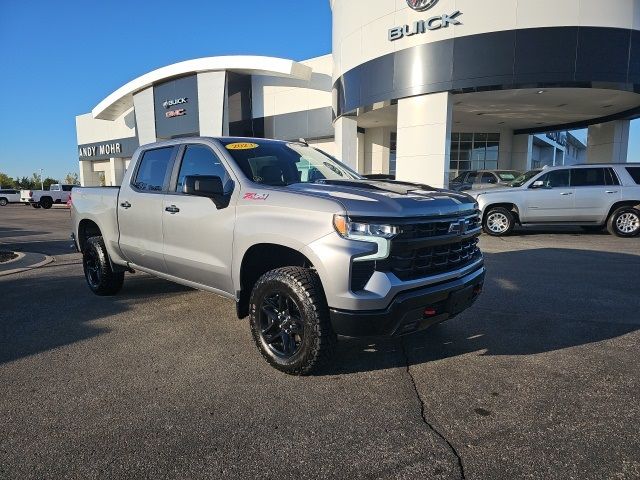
(590, 196)
(306, 247)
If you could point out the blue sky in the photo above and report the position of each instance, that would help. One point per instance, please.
(59, 59)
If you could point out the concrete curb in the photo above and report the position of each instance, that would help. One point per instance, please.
(26, 257)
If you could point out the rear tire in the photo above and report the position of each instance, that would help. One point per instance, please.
(101, 278)
(46, 203)
(624, 222)
(289, 320)
(498, 222)
(3, 202)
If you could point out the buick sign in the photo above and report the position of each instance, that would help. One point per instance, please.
(176, 101)
(424, 26)
(421, 5)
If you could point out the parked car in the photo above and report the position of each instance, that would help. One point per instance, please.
(8, 196)
(56, 194)
(306, 247)
(590, 196)
(483, 180)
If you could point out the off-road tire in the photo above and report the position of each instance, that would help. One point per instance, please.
(492, 215)
(3, 202)
(46, 203)
(100, 277)
(613, 224)
(303, 286)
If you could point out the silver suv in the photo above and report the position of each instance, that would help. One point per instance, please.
(591, 196)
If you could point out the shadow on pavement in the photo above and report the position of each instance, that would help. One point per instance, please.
(534, 301)
(49, 311)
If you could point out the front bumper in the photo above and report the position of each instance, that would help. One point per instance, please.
(407, 312)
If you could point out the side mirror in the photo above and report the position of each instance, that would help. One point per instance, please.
(537, 184)
(209, 186)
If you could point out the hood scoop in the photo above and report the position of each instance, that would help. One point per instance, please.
(389, 186)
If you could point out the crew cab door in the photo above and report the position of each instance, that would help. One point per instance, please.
(553, 201)
(198, 234)
(597, 189)
(140, 209)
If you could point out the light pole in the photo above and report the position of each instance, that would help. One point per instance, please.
(41, 179)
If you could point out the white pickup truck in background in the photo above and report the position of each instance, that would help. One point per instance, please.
(57, 194)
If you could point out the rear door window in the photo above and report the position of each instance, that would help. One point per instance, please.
(635, 174)
(588, 177)
(153, 169)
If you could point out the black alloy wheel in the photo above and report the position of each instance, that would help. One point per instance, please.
(281, 327)
(101, 278)
(290, 322)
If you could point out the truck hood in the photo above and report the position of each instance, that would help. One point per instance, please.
(491, 191)
(388, 198)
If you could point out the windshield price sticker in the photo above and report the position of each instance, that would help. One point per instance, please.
(242, 146)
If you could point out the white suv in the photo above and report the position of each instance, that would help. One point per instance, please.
(590, 196)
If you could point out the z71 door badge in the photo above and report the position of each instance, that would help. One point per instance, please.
(256, 196)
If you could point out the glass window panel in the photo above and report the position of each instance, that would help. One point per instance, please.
(480, 138)
(466, 137)
(199, 160)
(153, 169)
(491, 165)
(493, 137)
(455, 137)
(462, 166)
(464, 155)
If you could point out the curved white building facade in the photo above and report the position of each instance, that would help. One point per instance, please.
(418, 88)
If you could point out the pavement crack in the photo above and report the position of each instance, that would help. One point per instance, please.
(425, 420)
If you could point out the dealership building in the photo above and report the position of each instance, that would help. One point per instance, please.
(421, 89)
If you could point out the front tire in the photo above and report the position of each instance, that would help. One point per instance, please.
(624, 222)
(101, 278)
(3, 202)
(289, 320)
(498, 222)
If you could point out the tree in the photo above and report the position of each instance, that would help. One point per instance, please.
(25, 183)
(36, 180)
(6, 181)
(48, 182)
(72, 179)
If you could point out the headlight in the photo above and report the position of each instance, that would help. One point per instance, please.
(357, 230)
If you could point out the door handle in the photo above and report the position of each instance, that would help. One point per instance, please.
(125, 204)
(566, 193)
(172, 209)
(611, 191)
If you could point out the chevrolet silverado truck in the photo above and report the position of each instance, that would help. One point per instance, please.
(308, 249)
(591, 196)
(57, 194)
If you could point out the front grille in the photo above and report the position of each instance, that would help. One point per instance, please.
(411, 264)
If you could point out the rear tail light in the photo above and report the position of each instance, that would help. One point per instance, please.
(30, 193)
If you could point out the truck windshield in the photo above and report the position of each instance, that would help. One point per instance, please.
(278, 164)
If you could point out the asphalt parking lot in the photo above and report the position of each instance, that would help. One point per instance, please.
(539, 380)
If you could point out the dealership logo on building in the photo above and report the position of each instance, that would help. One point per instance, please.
(424, 26)
(174, 102)
(421, 5)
